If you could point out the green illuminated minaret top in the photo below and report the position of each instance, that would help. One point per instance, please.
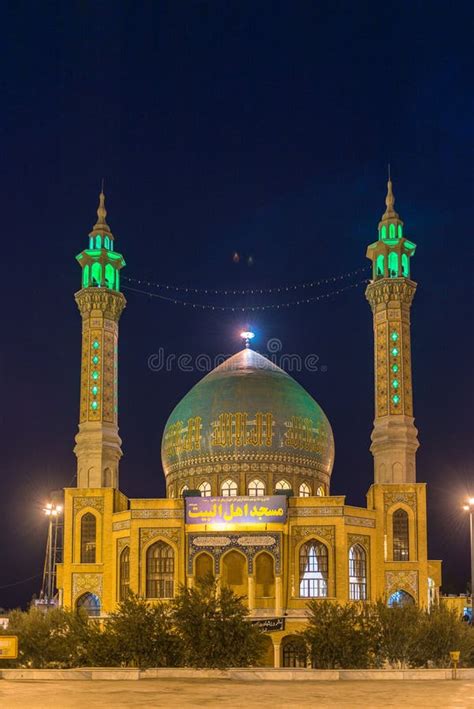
(391, 254)
(100, 263)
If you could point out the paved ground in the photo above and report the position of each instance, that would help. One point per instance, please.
(182, 694)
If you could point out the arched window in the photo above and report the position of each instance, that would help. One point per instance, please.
(283, 485)
(400, 598)
(294, 651)
(393, 264)
(357, 573)
(229, 488)
(90, 603)
(256, 488)
(85, 276)
(400, 231)
(204, 566)
(205, 489)
(96, 274)
(88, 538)
(401, 550)
(91, 242)
(320, 491)
(380, 266)
(124, 574)
(117, 280)
(264, 576)
(107, 477)
(383, 233)
(109, 275)
(405, 266)
(313, 570)
(98, 241)
(183, 488)
(392, 231)
(160, 571)
(234, 572)
(304, 490)
(106, 242)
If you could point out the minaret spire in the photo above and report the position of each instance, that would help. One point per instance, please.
(101, 222)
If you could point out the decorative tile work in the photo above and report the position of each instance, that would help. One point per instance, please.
(401, 580)
(158, 514)
(316, 511)
(123, 524)
(326, 532)
(249, 544)
(362, 539)
(121, 543)
(97, 503)
(359, 521)
(149, 533)
(86, 583)
(391, 498)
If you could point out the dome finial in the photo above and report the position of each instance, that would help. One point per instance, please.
(247, 335)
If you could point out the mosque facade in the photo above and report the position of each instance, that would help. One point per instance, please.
(247, 456)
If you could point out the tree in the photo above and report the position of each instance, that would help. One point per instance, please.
(438, 633)
(136, 635)
(56, 638)
(340, 636)
(398, 633)
(213, 627)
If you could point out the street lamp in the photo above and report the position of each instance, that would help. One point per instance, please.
(469, 507)
(53, 511)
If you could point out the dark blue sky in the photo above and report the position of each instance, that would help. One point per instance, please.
(263, 128)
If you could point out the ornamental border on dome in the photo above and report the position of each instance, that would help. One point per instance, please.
(242, 459)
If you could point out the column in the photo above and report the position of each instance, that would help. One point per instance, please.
(278, 596)
(251, 592)
(276, 655)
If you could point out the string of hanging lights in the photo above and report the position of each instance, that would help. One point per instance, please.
(247, 308)
(244, 291)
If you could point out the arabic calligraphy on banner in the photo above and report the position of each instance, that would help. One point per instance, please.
(236, 510)
(269, 625)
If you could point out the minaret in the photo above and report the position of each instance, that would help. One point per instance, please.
(98, 445)
(390, 294)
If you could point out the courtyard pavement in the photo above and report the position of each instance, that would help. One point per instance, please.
(222, 693)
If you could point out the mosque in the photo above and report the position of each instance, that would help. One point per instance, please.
(247, 456)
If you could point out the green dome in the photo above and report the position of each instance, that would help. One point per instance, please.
(247, 418)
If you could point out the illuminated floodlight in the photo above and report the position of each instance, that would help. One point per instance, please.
(471, 500)
(247, 335)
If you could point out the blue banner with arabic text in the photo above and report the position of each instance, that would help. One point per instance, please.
(236, 510)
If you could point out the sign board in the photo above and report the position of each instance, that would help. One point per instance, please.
(8, 647)
(236, 510)
(270, 625)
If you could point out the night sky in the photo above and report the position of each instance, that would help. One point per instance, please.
(262, 128)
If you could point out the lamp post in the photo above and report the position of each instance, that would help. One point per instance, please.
(469, 507)
(53, 512)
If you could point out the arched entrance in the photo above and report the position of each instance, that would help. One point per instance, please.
(267, 658)
(204, 566)
(400, 598)
(264, 581)
(234, 572)
(293, 651)
(90, 603)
